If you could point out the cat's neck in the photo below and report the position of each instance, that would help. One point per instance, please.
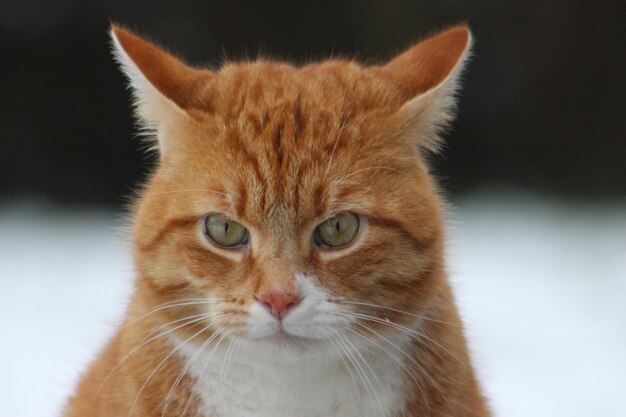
(255, 381)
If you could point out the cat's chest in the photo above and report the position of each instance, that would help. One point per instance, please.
(247, 386)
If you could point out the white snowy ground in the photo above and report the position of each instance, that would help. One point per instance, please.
(541, 284)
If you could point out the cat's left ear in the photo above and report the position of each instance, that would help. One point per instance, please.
(165, 89)
(427, 75)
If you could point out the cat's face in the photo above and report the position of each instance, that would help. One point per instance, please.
(291, 205)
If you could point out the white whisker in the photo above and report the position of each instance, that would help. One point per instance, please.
(224, 365)
(337, 182)
(143, 342)
(411, 332)
(206, 365)
(395, 358)
(378, 306)
(358, 171)
(332, 154)
(161, 364)
(172, 304)
(367, 379)
(341, 354)
(192, 190)
(358, 353)
(406, 355)
(353, 361)
(182, 373)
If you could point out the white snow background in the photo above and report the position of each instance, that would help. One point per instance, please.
(541, 285)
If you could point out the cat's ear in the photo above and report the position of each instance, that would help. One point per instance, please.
(165, 89)
(427, 75)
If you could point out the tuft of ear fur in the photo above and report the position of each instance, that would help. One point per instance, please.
(164, 88)
(428, 77)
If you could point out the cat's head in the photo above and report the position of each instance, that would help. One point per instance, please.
(291, 204)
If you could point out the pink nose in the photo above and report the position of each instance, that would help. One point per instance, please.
(278, 303)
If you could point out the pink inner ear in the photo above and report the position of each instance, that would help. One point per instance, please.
(169, 75)
(428, 63)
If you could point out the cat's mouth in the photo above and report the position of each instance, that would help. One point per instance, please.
(282, 337)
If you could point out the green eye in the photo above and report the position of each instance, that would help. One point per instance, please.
(225, 232)
(337, 231)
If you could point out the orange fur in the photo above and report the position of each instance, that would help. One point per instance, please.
(280, 148)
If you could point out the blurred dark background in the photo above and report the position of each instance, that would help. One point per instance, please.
(542, 107)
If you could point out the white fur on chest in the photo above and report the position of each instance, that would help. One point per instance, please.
(257, 382)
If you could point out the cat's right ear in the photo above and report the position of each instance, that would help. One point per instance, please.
(165, 89)
(427, 75)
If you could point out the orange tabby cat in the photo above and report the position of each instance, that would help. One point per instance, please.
(289, 248)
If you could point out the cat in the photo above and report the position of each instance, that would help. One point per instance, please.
(289, 247)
